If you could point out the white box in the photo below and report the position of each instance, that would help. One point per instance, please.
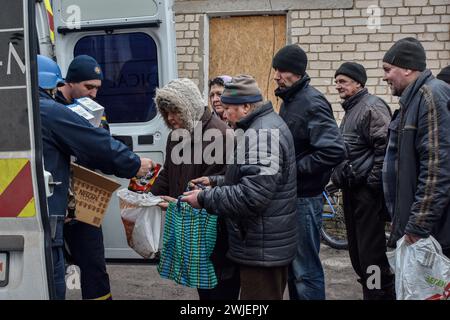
(83, 113)
(93, 108)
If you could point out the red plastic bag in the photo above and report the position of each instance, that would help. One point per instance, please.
(145, 183)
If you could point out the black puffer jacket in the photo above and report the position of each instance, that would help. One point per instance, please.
(422, 205)
(364, 128)
(319, 146)
(259, 199)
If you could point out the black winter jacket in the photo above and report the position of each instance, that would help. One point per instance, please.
(364, 128)
(258, 202)
(422, 205)
(319, 146)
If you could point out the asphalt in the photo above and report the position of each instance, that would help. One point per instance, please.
(142, 281)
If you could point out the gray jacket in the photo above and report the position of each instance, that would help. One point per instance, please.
(259, 205)
(364, 128)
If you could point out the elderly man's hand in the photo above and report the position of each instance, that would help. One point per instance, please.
(191, 198)
(202, 181)
(411, 239)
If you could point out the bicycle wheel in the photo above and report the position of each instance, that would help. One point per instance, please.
(333, 230)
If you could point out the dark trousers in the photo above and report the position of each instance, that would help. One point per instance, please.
(228, 285)
(59, 270)
(364, 219)
(446, 253)
(85, 243)
(263, 283)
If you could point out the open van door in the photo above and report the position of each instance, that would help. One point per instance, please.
(134, 43)
(26, 270)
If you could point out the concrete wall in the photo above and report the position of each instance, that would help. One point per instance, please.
(330, 32)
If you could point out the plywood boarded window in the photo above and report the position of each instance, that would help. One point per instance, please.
(246, 45)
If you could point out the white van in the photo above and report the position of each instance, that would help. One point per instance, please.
(134, 42)
(26, 267)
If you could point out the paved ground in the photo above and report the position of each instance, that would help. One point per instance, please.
(142, 282)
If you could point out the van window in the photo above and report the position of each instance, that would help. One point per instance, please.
(130, 67)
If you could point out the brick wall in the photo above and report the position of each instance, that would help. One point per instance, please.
(188, 46)
(331, 37)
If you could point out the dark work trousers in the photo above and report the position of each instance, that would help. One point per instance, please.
(365, 223)
(85, 243)
(263, 283)
(59, 270)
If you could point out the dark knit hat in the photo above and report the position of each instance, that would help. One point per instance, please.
(353, 70)
(444, 75)
(291, 58)
(240, 90)
(407, 53)
(83, 68)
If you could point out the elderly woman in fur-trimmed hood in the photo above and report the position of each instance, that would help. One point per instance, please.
(180, 104)
(182, 107)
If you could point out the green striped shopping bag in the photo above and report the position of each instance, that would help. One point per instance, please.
(188, 242)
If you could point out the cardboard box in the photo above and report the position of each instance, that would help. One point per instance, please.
(92, 193)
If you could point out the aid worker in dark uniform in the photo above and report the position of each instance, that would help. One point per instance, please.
(83, 79)
(66, 134)
(84, 242)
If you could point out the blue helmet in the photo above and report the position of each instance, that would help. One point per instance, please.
(49, 73)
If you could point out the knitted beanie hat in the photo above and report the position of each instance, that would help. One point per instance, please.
(407, 53)
(83, 68)
(353, 70)
(291, 58)
(444, 75)
(241, 89)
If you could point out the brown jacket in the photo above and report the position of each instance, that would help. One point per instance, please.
(173, 179)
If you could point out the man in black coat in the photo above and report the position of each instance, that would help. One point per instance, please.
(416, 171)
(364, 128)
(319, 147)
(444, 75)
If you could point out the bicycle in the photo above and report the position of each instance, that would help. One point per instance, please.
(333, 229)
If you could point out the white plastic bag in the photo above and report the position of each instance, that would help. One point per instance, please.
(142, 219)
(422, 272)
